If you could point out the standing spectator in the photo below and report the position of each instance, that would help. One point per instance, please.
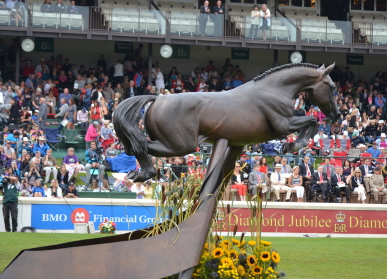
(255, 14)
(118, 71)
(10, 200)
(94, 161)
(28, 69)
(265, 20)
(71, 114)
(203, 17)
(159, 80)
(51, 103)
(72, 9)
(3, 51)
(63, 108)
(348, 75)
(218, 17)
(138, 77)
(42, 114)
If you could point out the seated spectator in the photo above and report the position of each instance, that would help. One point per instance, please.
(94, 161)
(338, 185)
(128, 186)
(83, 119)
(373, 150)
(278, 182)
(237, 182)
(13, 138)
(139, 189)
(357, 185)
(258, 180)
(26, 117)
(382, 141)
(214, 84)
(295, 182)
(41, 146)
(8, 151)
(71, 192)
(285, 168)
(25, 189)
(148, 190)
(25, 163)
(236, 82)
(49, 165)
(15, 169)
(54, 191)
(71, 163)
(106, 132)
(33, 174)
(93, 132)
(376, 183)
(25, 145)
(38, 190)
(320, 183)
(111, 151)
(63, 177)
(356, 139)
(35, 133)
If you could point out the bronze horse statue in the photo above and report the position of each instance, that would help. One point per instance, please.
(257, 111)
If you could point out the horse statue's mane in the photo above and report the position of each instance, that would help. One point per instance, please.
(283, 67)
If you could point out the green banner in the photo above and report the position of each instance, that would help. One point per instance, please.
(355, 59)
(240, 53)
(44, 44)
(181, 51)
(123, 47)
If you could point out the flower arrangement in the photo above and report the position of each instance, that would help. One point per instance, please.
(107, 227)
(233, 258)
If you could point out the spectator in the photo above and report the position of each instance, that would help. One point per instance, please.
(13, 138)
(178, 84)
(255, 22)
(71, 114)
(66, 95)
(24, 145)
(33, 174)
(93, 132)
(357, 183)
(25, 189)
(41, 146)
(70, 192)
(49, 165)
(118, 71)
(28, 69)
(265, 22)
(215, 85)
(83, 119)
(63, 109)
(203, 17)
(236, 82)
(94, 161)
(10, 201)
(190, 85)
(51, 103)
(72, 9)
(139, 189)
(42, 115)
(63, 177)
(320, 183)
(295, 182)
(128, 186)
(54, 191)
(217, 18)
(131, 90)
(38, 190)
(258, 180)
(111, 151)
(237, 182)
(278, 182)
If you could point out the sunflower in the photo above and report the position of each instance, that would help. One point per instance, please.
(265, 256)
(267, 243)
(233, 254)
(257, 270)
(241, 270)
(252, 243)
(218, 252)
(235, 241)
(275, 257)
(226, 261)
(225, 243)
(251, 260)
(242, 244)
(206, 246)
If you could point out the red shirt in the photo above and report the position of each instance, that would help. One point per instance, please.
(314, 113)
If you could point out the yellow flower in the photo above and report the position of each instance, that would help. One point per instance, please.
(218, 252)
(225, 243)
(275, 257)
(257, 270)
(242, 244)
(267, 243)
(270, 269)
(251, 260)
(252, 243)
(265, 256)
(235, 241)
(241, 270)
(206, 246)
(233, 254)
(226, 261)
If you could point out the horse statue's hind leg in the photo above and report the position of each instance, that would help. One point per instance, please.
(307, 126)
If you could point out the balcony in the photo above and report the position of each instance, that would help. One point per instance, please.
(140, 24)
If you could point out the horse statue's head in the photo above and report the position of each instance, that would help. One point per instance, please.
(321, 93)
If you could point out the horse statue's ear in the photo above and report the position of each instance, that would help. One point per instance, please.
(329, 69)
(322, 67)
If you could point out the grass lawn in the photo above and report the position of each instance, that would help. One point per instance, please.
(314, 258)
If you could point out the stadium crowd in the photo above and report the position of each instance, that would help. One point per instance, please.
(76, 95)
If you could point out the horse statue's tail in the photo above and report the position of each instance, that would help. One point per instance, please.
(125, 122)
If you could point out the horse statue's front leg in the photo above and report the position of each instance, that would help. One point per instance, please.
(307, 125)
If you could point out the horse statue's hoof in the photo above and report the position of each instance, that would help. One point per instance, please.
(140, 176)
(133, 175)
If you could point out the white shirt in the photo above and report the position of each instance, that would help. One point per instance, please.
(160, 81)
(118, 70)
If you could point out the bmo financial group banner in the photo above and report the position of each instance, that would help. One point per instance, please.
(307, 221)
(63, 217)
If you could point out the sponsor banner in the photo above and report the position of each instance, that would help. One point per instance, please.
(307, 221)
(63, 217)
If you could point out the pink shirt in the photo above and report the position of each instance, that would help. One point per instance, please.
(91, 133)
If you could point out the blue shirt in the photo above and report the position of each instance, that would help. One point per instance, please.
(374, 152)
(42, 149)
(38, 190)
(11, 137)
(67, 97)
(236, 83)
